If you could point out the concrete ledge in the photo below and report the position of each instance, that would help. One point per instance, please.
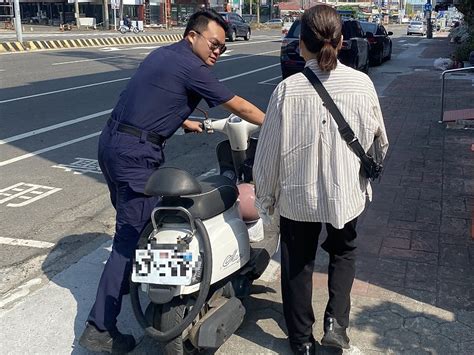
(86, 42)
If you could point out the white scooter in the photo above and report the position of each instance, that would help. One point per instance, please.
(124, 29)
(194, 260)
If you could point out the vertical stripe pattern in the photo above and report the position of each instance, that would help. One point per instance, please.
(302, 165)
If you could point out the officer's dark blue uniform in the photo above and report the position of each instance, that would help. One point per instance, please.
(161, 95)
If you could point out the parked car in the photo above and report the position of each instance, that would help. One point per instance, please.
(379, 41)
(416, 27)
(354, 51)
(237, 26)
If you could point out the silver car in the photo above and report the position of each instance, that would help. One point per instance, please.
(416, 27)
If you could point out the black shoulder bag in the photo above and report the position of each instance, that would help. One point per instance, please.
(369, 167)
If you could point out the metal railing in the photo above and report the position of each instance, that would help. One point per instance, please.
(442, 85)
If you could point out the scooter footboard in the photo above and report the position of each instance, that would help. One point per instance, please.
(219, 324)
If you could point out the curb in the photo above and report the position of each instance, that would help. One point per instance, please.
(6, 47)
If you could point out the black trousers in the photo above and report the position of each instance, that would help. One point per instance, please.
(299, 242)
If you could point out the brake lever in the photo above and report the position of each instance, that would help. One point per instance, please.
(207, 123)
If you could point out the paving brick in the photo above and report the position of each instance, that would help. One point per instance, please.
(413, 226)
(466, 348)
(455, 297)
(454, 255)
(421, 325)
(425, 241)
(456, 331)
(455, 226)
(466, 318)
(456, 275)
(439, 345)
(402, 340)
(421, 277)
(430, 194)
(425, 214)
(409, 255)
(398, 267)
(398, 243)
(424, 296)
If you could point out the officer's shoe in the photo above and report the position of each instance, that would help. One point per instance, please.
(303, 349)
(334, 334)
(111, 341)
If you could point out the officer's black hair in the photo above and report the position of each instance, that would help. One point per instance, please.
(200, 19)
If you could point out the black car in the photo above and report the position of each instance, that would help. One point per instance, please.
(379, 40)
(354, 51)
(237, 26)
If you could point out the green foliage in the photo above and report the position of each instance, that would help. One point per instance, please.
(466, 7)
(464, 49)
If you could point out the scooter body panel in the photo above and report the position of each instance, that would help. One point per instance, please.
(229, 239)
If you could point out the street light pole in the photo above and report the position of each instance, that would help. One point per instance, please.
(19, 34)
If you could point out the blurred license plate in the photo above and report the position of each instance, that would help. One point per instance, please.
(170, 266)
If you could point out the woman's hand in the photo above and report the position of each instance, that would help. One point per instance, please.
(192, 126)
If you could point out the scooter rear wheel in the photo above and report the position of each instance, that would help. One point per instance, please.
(169, 316)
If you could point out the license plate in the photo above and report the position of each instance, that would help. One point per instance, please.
(165, 266)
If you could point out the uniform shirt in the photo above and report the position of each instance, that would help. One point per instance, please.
(166, 88)
(302, 165)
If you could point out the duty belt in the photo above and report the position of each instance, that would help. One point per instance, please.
(149, 136)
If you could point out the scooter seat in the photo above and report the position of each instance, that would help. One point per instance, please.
(217, 195)
(204, 198)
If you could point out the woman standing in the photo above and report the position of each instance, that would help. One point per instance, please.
(307, 172)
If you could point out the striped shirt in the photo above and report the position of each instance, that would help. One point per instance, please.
(303, 167)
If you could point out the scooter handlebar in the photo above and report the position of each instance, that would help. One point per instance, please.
(236, 129)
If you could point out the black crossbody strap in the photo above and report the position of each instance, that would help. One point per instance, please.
(346, 131)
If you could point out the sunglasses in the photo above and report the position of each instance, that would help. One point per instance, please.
(213, 46)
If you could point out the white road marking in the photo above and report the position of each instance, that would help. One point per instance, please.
(249, 72)
(402, 40)
(116, 80)
(80, 166)
(25, 191)
(226, 54)
(55, 126)
(20, 292)
(248, 43)
(44, 150)
(29, 155)
(62, 90)
(246, 56)
(2, 69)
(268, 80)
(112, 49)
(87, 60)
(26, 243)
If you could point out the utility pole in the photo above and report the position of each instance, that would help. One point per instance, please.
(19, 34)
(258, 11)
(76, 13)
(250, 12)
(429, 27)
(106, 14)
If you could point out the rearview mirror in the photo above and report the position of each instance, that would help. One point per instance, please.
(390, 33)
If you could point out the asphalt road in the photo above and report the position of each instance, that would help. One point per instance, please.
(54, 204)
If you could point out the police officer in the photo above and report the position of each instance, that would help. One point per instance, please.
(159, 98)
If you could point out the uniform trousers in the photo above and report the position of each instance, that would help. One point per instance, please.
(299, 242)
(125, 162)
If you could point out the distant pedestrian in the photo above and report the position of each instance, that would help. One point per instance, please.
(306, 171)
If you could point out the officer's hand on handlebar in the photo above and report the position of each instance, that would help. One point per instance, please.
(192, 126)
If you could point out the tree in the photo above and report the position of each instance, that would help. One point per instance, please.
(466, 7)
